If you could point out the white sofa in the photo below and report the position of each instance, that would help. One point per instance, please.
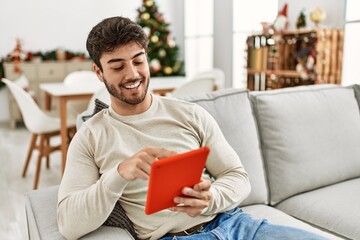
(300, 146)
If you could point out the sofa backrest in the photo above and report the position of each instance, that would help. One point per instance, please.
(310, 137)
(231, 109)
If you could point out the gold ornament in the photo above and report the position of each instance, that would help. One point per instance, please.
(154, 39)
(168, 70)
(149, 3)
(162, 53)
(317, 15)
(145, 16)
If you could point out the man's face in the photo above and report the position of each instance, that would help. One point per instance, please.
(126, 74)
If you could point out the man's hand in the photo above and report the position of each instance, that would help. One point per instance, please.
(138, 166)
(198, 200)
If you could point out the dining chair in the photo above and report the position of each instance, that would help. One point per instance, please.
(216, 73)
(203, 82)
(41, 126)
(79, 79)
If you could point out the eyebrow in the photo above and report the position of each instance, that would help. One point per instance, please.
(123, 59)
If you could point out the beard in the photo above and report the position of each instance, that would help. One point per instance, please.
(116, 91)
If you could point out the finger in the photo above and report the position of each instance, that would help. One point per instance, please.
(146, 157)
(159, 152)
(202, 186)
(191, 202)
(192, 193)
(144, 168)
(141, 174)
(191, 211)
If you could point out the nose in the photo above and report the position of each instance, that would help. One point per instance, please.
(132, 72)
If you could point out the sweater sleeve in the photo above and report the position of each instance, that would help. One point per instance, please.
(231, 185)
(86, 198)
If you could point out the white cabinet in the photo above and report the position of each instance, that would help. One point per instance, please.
(38, 73)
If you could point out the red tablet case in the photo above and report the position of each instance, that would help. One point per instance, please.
(170, 175)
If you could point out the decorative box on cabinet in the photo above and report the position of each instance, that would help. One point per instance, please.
(38, 73)
(282, 60)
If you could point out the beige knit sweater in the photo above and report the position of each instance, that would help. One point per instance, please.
(91, 184)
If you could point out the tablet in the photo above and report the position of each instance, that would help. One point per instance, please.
(168, 176)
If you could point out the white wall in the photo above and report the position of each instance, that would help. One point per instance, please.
(45, 25)
(49, 24)
(335, 11)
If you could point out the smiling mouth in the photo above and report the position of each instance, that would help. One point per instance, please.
(132, 85)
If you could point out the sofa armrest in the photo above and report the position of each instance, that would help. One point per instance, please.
(40, 206)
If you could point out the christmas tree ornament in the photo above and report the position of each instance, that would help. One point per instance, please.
(145, 16)
(281, 22)
(168, 70)
(162, 53)
(155, 65)
(154, 39)
(170, 41)
(149, 3)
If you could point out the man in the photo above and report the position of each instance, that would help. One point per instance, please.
(109, 158)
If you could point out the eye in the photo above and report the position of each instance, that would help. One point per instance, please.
(118, 68)
(138, 62)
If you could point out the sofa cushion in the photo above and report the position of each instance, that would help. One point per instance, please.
(231, 109)
(335, 208)
(275, 216)
(40, 208)
(310, 138)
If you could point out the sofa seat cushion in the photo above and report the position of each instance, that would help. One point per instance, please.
(275, 216)
(335, 208)
(310, 138)
(231, 108)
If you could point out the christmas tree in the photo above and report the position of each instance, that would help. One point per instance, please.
(301, 21)
(163, 51)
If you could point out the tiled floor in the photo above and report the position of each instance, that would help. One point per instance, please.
(14, 144)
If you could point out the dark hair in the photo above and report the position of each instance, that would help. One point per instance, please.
(112, 33)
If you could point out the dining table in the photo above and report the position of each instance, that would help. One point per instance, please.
(64, 93)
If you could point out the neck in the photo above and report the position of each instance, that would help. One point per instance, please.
(126, 109)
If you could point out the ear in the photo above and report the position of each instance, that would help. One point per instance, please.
(98, 72)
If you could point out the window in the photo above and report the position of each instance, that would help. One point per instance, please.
(247, 20)
(199, 22)
(351, 69)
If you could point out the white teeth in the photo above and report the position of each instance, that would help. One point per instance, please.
(132, 85)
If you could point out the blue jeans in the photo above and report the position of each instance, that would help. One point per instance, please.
(237, 225)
